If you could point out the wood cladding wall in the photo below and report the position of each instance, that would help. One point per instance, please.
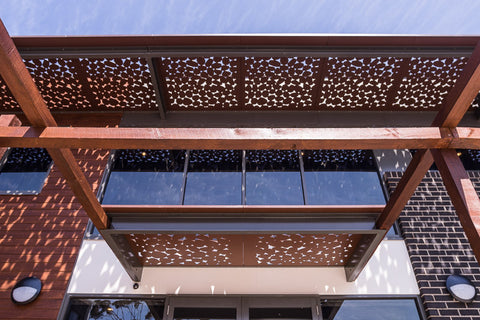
(41, 236)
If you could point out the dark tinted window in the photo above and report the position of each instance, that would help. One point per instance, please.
(214, 177)
(344, 177)
(24, 171)
(204, 313)
(273, 177)
(280, 313)
(146, 177)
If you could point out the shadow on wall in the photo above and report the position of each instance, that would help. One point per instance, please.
(41, 236)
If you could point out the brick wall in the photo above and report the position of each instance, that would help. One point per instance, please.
(437, 246)
(41, 236)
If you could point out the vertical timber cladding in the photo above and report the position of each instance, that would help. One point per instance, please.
(437, 246)
(41, 235)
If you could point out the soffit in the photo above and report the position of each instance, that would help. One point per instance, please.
(242, 73)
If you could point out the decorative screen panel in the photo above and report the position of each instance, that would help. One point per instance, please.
(243, 250)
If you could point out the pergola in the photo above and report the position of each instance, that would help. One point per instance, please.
(253, 74)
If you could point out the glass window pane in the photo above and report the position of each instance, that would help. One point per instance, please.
(400, 309)
(343, 187)
(143, 188)
(106, 309)
(344, 177)
(24, 171)
(280, 313)
(214, 177)
(273, 178)
(204, 313)
(145, 177)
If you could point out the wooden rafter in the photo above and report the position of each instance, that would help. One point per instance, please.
(45, 133)
(454, 108)
(462, 194)
(7, 120)
(20, 83)
(421, 162)
(227, 138)
(465, 138)
(462, 94)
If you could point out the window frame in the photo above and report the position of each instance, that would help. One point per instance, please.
(299, 158)
(241, 302)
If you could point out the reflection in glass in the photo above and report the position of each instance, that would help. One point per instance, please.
(214, 177)
(110, 309)
(398, 309)
(273, 178)
(145, 177)
(24, 171)
(346, 177)
(204, 313)
(280, 313)
(343, 187)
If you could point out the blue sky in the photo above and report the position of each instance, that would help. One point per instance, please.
(88, 17)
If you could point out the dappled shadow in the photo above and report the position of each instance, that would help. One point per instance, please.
(41, 236)
(436, 242)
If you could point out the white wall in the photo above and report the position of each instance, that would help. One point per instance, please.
(388, 272)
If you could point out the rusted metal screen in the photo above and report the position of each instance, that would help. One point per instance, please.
(89, 84)
(243, 83)
(259, 250)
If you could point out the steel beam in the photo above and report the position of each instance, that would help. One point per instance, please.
(124, 253)
(365, 249)
(157, 87)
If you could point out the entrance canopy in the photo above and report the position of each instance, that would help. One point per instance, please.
(268, 81)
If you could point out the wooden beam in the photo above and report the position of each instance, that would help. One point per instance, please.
(462, 194)
(465, 138)
(66, 163)
(462, 94)
(421, 162)
(7, 120)
(227, 138)
(21, 85)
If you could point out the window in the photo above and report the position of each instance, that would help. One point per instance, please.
(106, 309)
(146, 177)
(252, 177)
(273, 177)
(204, 313)
(280, 313)
(245, 308)
(370, 309)
(214, 177)
(24, 171)
(346, 177)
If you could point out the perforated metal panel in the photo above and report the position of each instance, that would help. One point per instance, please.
(428, 82)
(200, 83)
(90, 84)
(243, 250)
(244, 83)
